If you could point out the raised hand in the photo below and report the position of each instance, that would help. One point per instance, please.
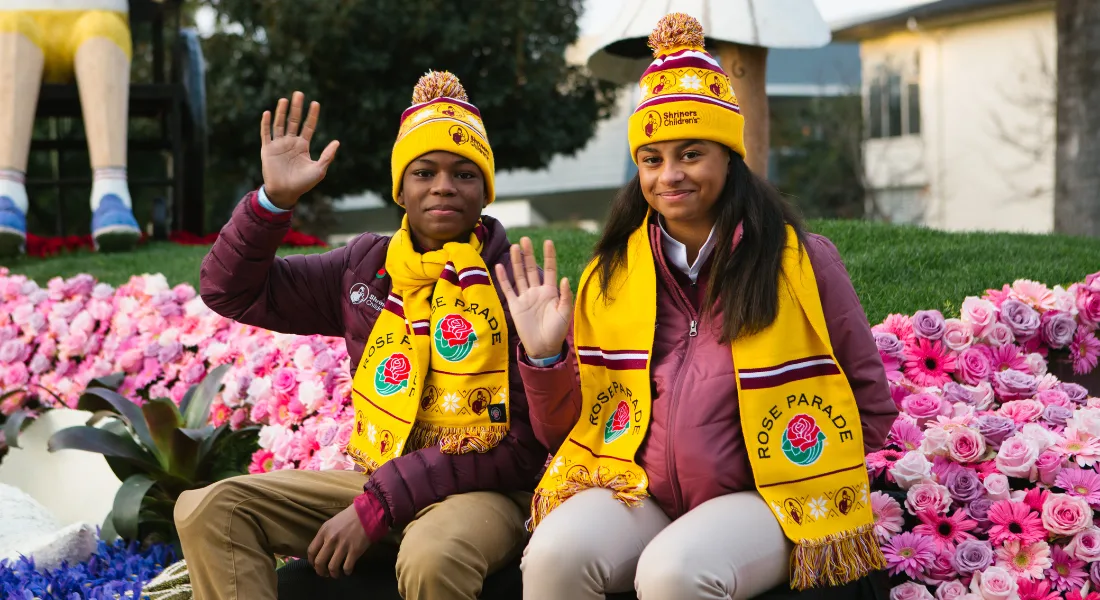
(289, 171)
(540, 310)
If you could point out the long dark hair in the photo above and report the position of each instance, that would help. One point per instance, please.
(744, 282)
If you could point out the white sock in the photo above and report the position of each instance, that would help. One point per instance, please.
(110, 180)
(12, 186)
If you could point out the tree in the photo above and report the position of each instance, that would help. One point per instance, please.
(1077, 159)
(361, 58)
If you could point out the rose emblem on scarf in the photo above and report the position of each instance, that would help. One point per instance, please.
(454, 338)
(803, 440)
(618, 423)
(392, 375)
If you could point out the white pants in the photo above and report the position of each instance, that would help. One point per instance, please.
(727, 548)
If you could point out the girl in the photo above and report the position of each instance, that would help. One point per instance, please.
(711, 416)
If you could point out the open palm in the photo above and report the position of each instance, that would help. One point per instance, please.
(289, 171)
(540, 309)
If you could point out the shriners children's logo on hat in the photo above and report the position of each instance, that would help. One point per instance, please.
(652, 123)
(459, 134)
(716, 85)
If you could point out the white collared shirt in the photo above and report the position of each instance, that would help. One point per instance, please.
(676, 253)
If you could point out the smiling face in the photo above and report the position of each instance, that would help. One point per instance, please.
(443, 194)
(682, 179)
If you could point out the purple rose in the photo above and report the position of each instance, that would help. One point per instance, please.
(1094, 574)
(1077, 393)
(1020, 318)
(8, 333)
(12, 351)
(971, 556)
(1011, 384)
(889, 344)
(928, 324)
(102, 291)
(323, 361)
(995, 429)
(924, 407)
(152, 350)
(964, 486)
(169, 310)
(170, 352)
(979, 511)
(1056, 415)
(954, 392)
(974, 365)
(40, 364)
(79, 285)
(1057, 328)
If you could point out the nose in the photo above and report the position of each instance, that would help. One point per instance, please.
(671, 174)
(443, 185)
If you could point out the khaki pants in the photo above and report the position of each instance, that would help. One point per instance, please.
(231, 530)
(727, 548)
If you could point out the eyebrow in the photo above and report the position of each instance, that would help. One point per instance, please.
(681, 146)
(460, 161)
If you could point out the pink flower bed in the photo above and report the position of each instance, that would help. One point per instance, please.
(985, 491)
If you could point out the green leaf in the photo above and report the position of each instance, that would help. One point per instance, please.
(183, 454)
(198, 409)
(110, 382)
(14, 425)
(186, 400)
(97, 399)
(92, 439)
(108, 532)
(126, 510)
(162, 418)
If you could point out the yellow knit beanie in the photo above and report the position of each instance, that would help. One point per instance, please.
(685, 93)
(441, 118)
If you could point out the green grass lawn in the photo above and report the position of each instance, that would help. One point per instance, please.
(894, 269)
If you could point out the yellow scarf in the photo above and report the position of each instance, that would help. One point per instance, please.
(801, 422)
(435, 367)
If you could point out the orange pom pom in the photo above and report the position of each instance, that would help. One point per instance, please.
(438, 84)
(676, 30)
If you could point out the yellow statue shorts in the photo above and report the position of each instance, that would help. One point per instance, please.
(59, 33)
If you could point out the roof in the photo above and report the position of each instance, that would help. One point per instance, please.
(941, 13)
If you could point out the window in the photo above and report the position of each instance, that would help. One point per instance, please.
(893, 101)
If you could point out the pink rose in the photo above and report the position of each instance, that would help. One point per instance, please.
(997, 335)
(925, 407)
(1036, 364)
(1088, 306)
(1048, 464)
(996, 486)
(928, 497)
(950, 590)
(1054, 397)
(1066, 515)
(1021, 411)
(995, 583)
(16, 375)
(911, 469)
(1016, 458)
(238, 419)
(130, 360)
(910, 591)
(1085, 545)
(957, 335)
(978, 313)
(284, 382)
(974, 365)
(965, 445)
(935, 442)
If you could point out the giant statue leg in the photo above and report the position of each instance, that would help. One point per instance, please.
(101, 61)
(22, 60)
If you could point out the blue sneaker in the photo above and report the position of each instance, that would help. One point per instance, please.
(114, 227)
(13, 228)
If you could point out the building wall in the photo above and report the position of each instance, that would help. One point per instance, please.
(984, 158)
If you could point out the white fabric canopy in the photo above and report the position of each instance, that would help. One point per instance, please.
(768, 23)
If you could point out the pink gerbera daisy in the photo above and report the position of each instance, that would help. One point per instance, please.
(1084, 350)
(1036, 590)
(929, 363)
(263, 461)
(1080, 445)
(1079, 482)
(888, 516)
(997, 297)
(1065, 572)
(1034, 294)
(946, 532)
(1008, 357)
(909, 553)
(905, 434)
(1028, 561)
(899, 325)
(1014, 521)
(881, 461)
(1035, 498)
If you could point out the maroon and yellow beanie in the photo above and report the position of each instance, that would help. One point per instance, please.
(441, 118)
(685, 92)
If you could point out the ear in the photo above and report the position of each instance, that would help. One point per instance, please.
(401, 197)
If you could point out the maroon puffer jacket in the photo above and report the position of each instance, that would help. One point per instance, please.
(695, 450)
(338, 294)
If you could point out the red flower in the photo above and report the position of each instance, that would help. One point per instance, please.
(456, 330)
(397, 369)
(621, 418)
(802, 432)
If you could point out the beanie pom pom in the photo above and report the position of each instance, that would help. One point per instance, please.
(676, 30)
(438, 84)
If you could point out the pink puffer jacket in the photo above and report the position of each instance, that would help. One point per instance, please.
(695, 449)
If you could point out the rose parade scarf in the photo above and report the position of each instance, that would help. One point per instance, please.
(801, 423)
(435, 367)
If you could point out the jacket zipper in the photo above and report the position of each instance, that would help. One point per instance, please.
(693, 331)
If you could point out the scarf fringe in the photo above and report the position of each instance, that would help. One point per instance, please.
(836, 559)
(622, 489)
(456, 440)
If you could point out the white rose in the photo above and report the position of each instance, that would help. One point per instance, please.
(259, 388)
(1039, 436)
(310, 394)
(935, 442)
(912, 469)
(155, 284)
(1087, 420)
